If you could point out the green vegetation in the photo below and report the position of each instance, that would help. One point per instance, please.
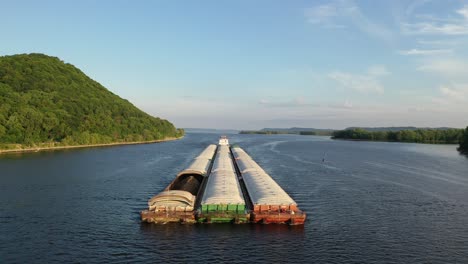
(448, 136)
(464, 142)
(46, 102)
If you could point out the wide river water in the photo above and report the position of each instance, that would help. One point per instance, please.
(369, 202)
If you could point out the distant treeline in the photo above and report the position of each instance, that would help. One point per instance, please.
(259, 132)
(269, 132)
(433, 136)
(396, 129)
(464, 142)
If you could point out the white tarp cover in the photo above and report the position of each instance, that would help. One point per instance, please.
(201, 163)
(261, 187)
(208, 152)
(172, 200)
(222, 186)
(223, 162)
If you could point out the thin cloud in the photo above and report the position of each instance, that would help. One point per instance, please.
(423, 52)
(360, 83)
(430, 28)
(296, 102)
(439, 26)
(439, 42)
(464, 12)
(338, 14)
(363, 83)
(414, 5)
(345, 105)
(445, 67)
(453, 97)
(323, 15)
(415, 109)
(455, 92)
(378, 70)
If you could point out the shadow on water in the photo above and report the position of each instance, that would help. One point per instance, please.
(169, 231)
(215, 243)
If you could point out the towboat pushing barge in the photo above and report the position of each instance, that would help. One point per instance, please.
(223, 184)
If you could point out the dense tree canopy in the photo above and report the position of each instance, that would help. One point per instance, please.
(448, 136)
(463, 141)
(43, 99)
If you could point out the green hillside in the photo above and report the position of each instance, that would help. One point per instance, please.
(46, 101)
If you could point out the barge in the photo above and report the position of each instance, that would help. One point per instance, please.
(178, 200)
(270, 203)
(223, 200)
(223, 185)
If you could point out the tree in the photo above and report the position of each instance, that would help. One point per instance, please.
(464, 142)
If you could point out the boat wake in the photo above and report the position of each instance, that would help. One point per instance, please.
(419, 172)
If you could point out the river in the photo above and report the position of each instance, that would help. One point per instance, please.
(368, 202)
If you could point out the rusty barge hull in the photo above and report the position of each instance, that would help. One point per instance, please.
(278, 218)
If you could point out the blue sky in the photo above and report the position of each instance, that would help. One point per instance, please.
(254, 64)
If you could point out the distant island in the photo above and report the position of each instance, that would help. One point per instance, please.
(293, 130)
(414, 135)
(396, 129)
(46, 103)
(437, 135)
(210, 130)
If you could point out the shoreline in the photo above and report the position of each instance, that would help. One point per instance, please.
(394, 141)
(37, 149)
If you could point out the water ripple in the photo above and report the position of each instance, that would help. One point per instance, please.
(367, 203)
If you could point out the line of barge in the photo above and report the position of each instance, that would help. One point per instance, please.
(223, 185)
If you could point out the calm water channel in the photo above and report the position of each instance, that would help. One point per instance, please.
(368, 202)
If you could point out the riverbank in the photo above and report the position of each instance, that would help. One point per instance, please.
(52, 148)
(395, 141)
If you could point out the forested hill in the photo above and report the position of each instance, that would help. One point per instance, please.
(46, 101)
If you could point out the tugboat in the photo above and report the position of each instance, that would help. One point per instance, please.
(223, 141)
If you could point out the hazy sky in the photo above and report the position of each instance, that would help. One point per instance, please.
(254, 64)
